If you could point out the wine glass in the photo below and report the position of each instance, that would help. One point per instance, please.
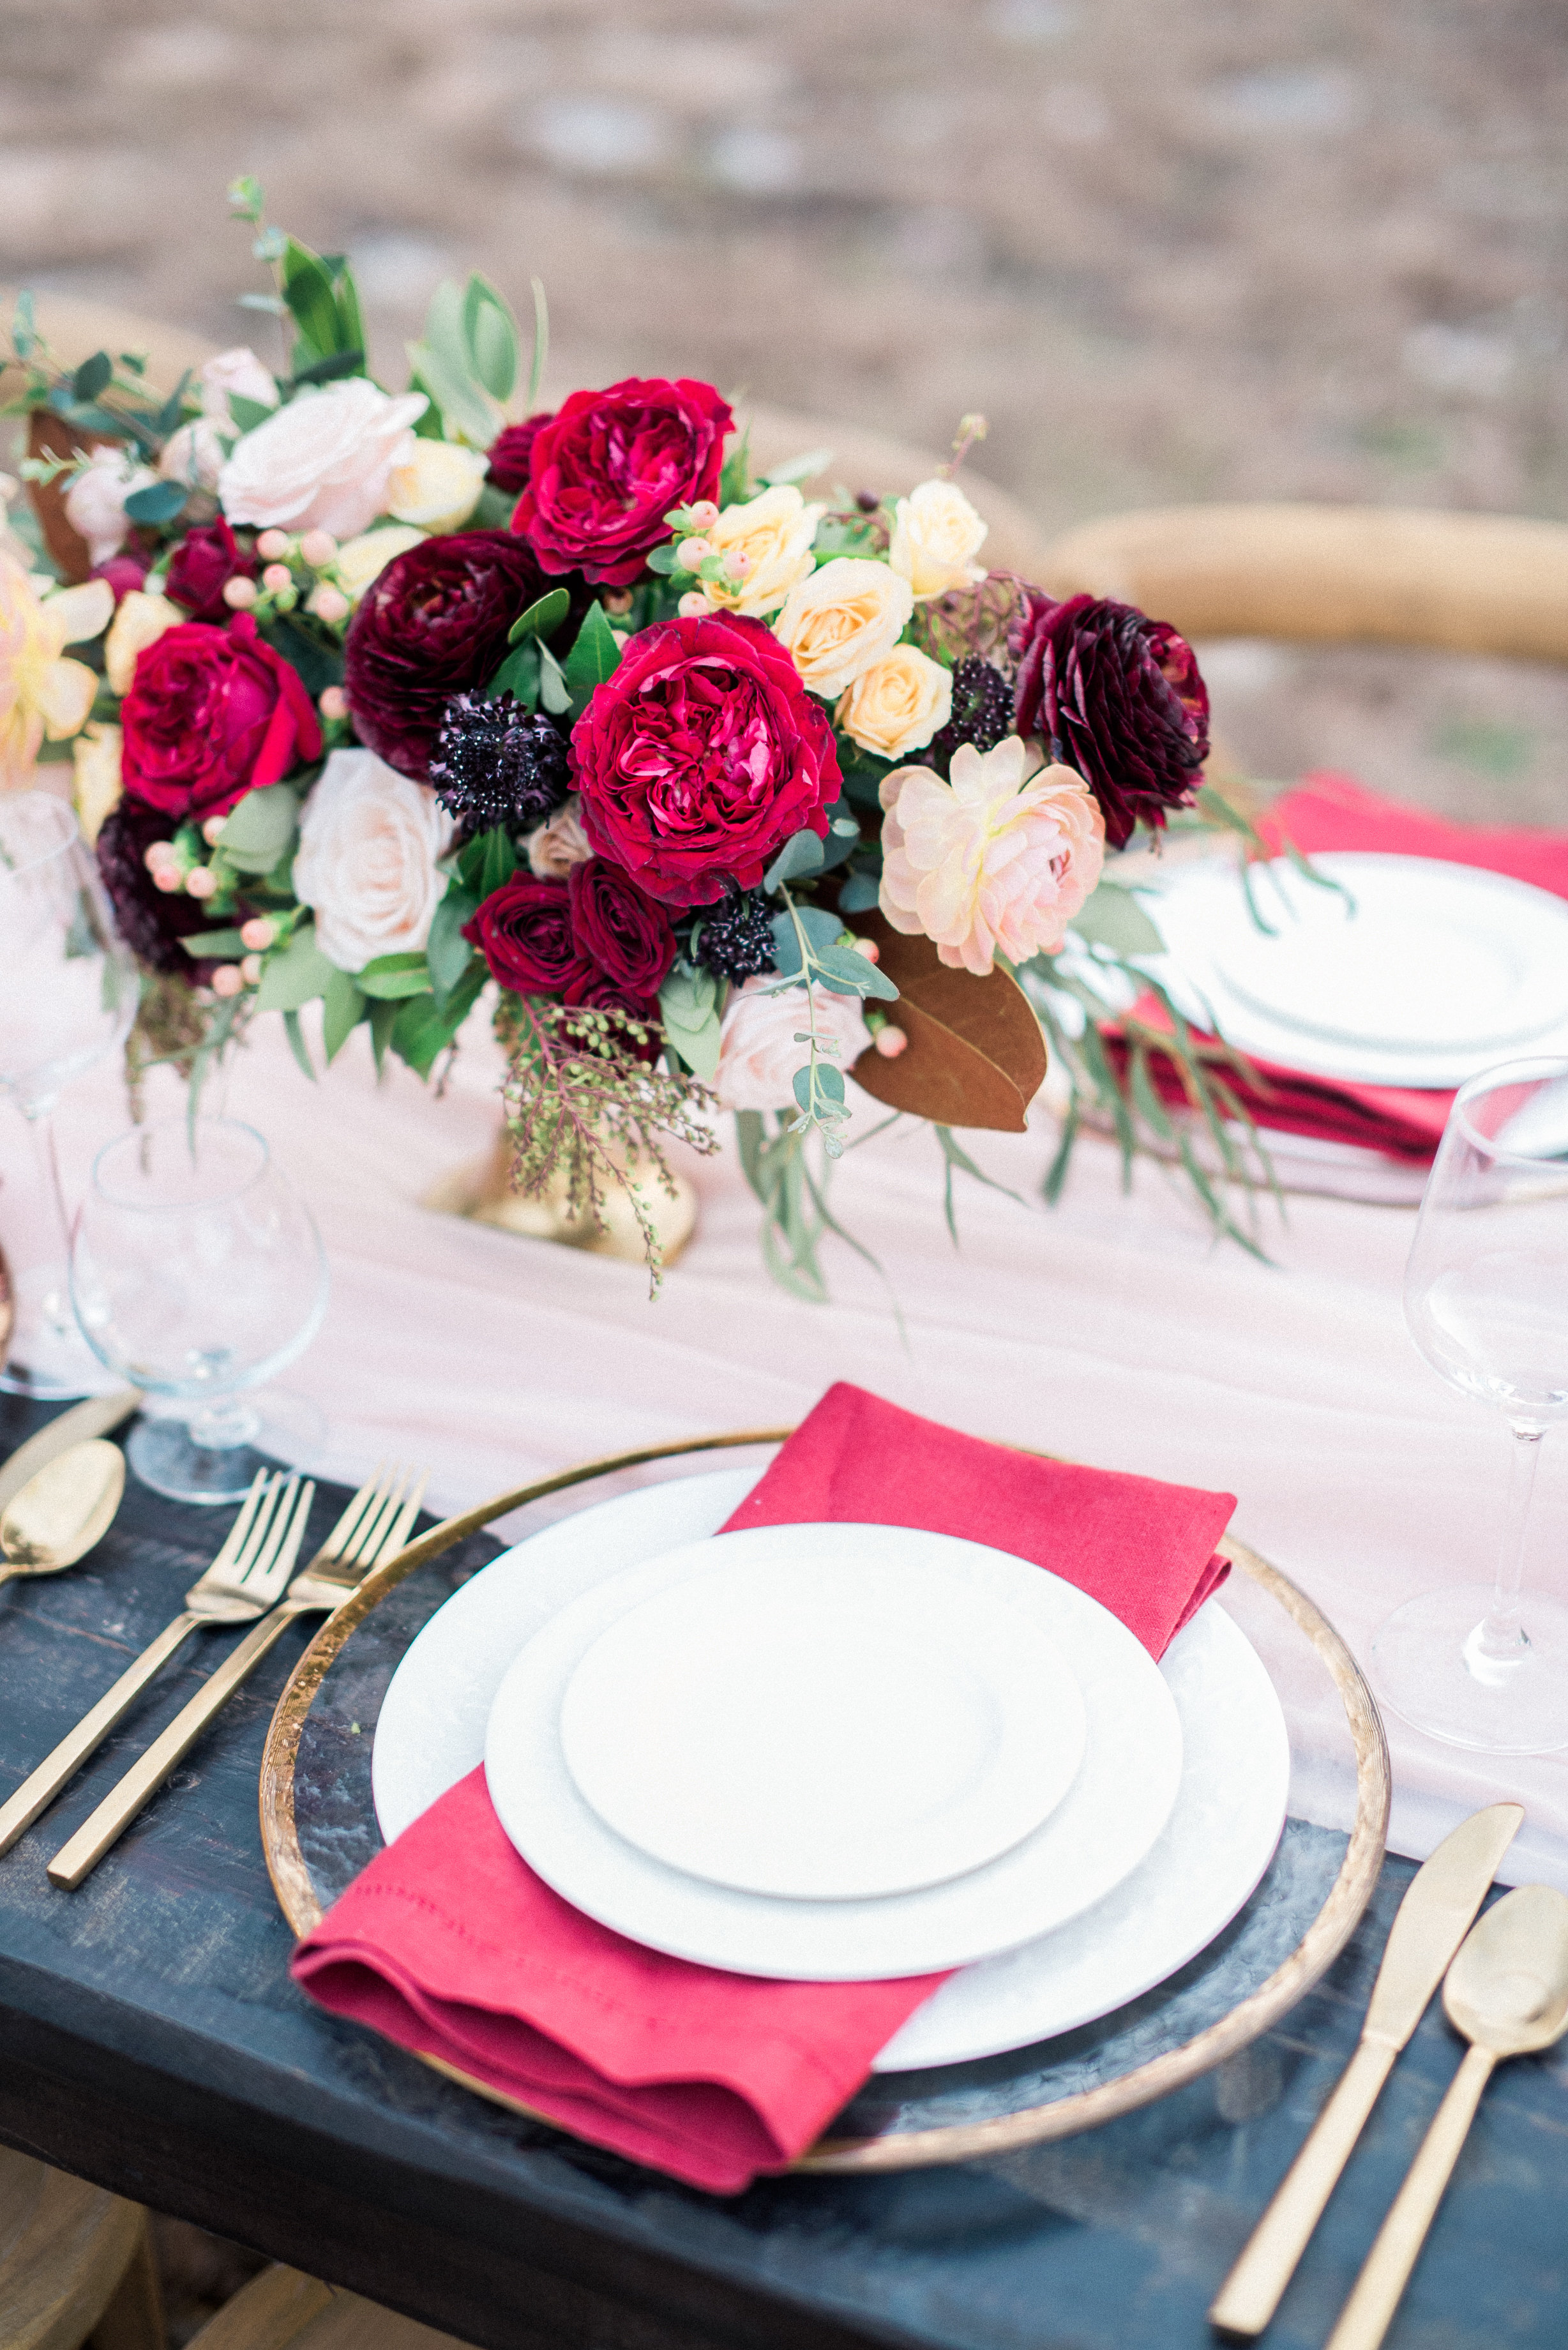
(197, 1273)
(1486, 1298)
(68, 996)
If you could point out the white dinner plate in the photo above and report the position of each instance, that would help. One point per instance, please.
(1215, 1845)
(1117, 1804)
(824, 1716)
(1420, 974)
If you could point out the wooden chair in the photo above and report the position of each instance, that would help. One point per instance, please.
(283, 2310)
(76, 2265)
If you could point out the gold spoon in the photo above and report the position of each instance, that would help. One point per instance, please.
(62, 1510)
(1507, 1992)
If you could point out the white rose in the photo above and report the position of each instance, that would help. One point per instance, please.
(95, 503)
(238, 372)
(139, 622)
(437, 484)
(322, 462)
(194, 455)
(774, 533)
(758, 1056)
(360, 561)
(936, 535)
(368, 841)
(897, 705)
(841, 619)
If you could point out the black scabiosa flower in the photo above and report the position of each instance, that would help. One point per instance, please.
(983, 709)
(498, 762)
(736, 938)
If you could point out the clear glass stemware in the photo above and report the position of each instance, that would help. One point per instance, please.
(1486, 1299)
(197, 1273)
(68, 996)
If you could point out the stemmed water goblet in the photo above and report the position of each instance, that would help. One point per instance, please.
(197, 1273)
(68, 996)
(1486, 1299)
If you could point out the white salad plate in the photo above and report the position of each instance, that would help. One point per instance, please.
(1411, 972)
(1117, 1804)
(824, 1716)
(1217, 1843)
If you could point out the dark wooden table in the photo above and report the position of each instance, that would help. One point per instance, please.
(150, 2040)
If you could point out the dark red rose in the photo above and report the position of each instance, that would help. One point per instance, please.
(1119, 698)
(123, 572)
(607, 468)
(509, 454)
(212, 714)
(524, 931)
(201, 568)
(699, 756)
(151, 922)
(599, 993)
(431, 625)
(620, 929)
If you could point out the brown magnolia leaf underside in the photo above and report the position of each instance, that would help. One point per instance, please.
(49, 436)
(976, 1054)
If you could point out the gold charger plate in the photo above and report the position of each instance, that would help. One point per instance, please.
(1060, 2114)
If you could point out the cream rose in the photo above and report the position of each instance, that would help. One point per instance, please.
(841, 619)
(773, 533)
(437, 485)
(139, 622)
(360, 561)
(758, 1056)
(996, 861)
(897, 705)
(559, 843)
(322, 462)
(368, 841)
(95, 755)
(95, 503)
(239, 372)
(936, 535)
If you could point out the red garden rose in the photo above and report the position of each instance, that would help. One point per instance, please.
(1118, 697)
(201, 568)
(524, 931)
(212, 714)
(699, 756)
(606, 469)
(509, 454)
(619, 928)
(431, 625)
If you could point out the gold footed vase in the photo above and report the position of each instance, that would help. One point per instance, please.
(481, 1191)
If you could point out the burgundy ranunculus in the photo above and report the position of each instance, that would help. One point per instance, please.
(621, 931)
(607, 467)
(597, 992)
(699, 756)
(524, 931)
(201, 568)
(212, 714)
(151, 922)
(1119, 698)
(433, 624)
(509, 453)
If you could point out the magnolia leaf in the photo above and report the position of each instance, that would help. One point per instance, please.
(1113, 917)
(296, 975)
(326, 371)
(259, 829)
(976, 1055)
(423, 1028)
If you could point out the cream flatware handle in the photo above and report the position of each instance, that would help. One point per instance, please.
(1250, 2294)
(1364, 2319)
(103, 1828)
(57, 1770)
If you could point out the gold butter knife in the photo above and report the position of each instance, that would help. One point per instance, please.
(1433, 1920)
(94, 1415)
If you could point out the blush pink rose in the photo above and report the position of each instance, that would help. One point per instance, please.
(758, 1056)
(323, 462)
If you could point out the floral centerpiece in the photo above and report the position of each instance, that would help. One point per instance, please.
(383, 699)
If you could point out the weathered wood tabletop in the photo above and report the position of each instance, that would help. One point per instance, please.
(150, 2040)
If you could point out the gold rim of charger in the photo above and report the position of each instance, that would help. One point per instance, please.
(958, 2142)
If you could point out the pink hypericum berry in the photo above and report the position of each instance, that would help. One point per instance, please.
(211, 830)
(251, 969)
(328, 603)
(890, 1042)
(166, 877)
(157, 853)
(272, 543)
(693, 604)
(317, 547)
(258, 932)
(704, 514)
(200, 881)
(277, 576)
(333, 703)
(869, 949)
(239, 594)
(692, 552)
(227, 980)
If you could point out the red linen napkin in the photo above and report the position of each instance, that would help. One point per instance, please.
(1328, 812)
(449, 1945)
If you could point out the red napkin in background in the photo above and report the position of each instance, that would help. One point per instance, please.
(449, 1945)
(1328, 812)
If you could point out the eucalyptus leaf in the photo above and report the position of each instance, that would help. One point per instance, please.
(843, 971)
(801, 854)
(859, 893)
(554, 694)
(159, 502)
(822, 930)
(519, 675)
(259, 829)
(295, 974)
(93, 376)
(248, 414)
(689, 1008)
(465, 405)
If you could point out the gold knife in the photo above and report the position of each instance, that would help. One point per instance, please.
(1433, 1920)
(94, 1415)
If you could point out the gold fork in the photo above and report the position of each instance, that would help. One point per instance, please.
(247, 1575)
(374, 1525)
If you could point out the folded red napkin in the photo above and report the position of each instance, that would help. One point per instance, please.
(1329, 812)
(449, 1945)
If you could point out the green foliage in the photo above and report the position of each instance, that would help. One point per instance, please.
(777, 1165)
(470, 357)
(342, 1010)
(594, 657)
(446, 951)
(295, 974)
(1112, 916)
(735, 482)
(799, 469)
(425, 1024)
(542, 619)
(159, 502)
(319, 292)
(260, 828)
(689, 1008)
(393, 976)
(487, 862)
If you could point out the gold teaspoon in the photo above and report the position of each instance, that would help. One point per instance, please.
(1507, 1992)
(62, 1510)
